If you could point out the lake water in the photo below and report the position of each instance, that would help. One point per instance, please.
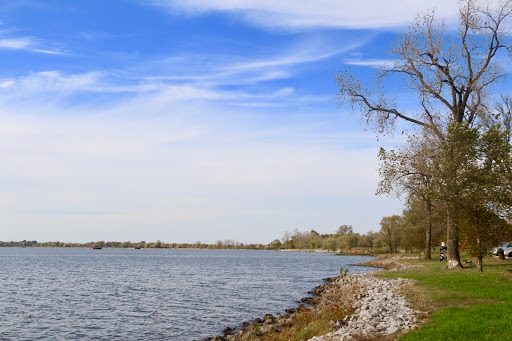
(148, 294)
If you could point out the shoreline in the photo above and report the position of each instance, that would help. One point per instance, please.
(370, 306)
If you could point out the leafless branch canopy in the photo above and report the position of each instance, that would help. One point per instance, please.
(451, 71)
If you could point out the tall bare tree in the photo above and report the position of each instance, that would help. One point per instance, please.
(451, 70)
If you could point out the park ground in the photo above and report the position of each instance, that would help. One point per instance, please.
(459, 304)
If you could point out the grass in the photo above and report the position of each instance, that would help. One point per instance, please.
(462, 303)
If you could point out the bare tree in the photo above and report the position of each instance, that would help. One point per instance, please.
(503, 109)
(451, 72)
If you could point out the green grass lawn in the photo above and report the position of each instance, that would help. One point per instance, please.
(462, 304)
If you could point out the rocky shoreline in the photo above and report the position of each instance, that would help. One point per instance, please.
(372, 307)
(379, 309)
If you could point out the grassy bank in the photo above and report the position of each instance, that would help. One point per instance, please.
(462, 304)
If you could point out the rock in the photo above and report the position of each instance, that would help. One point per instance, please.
(227, 331)
(392, 330)
(308, 300)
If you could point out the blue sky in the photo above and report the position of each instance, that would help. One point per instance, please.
(188, 120)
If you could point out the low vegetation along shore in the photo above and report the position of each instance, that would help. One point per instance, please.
(414, 300)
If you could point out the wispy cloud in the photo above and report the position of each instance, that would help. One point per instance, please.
(12, 41)
(27, 44)
(384, 63)
(95, 35)
(263, 69)
(60, 85)
(292, 14)
(223, 78)
(299, 58)
(16, 43)
(51, 81)
(48, 51)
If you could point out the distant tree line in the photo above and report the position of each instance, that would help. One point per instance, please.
(344, 239)
(221, 244)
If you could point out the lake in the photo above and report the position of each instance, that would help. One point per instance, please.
(151, 294)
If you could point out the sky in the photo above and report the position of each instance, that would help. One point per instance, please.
(187, 121)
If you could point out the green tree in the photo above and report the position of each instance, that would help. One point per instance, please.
(276, 244)
(348, 241)
(368, 239)
(483, 184)
(329, 244)
(344, 229)
(390, 227)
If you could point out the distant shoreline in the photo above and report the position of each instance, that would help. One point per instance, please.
(81, 246)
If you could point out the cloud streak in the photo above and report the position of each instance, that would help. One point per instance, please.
(291, 14)
(384, 63)
(225, 78)
(24, 43)
(17, 44)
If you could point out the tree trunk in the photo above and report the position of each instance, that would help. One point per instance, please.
(501, 254)
(479, 267)
(428, 234)
(452, 241)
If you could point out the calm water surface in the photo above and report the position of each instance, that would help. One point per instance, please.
(147, 294)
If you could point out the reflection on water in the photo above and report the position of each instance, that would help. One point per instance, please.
(148, 294)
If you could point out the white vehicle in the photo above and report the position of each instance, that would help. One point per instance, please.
(506, 247)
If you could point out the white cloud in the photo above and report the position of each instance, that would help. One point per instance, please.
(10, 42)
(305, 56)
(7, 83)
(199, 80)
(49, 51)
(18, 43)
(58, 85)
(260, 67)
(370, 62)
(322, 13)
(27, 44)
(50, 81)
